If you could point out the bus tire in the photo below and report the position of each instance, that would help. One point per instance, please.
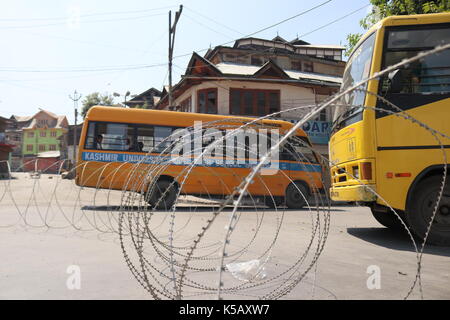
(420, 210)
(273, 202)
(158, 191)
(388, 218)
(296, 195)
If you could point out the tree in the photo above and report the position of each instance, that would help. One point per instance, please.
(385, 8)
(142, 106)
(96, 99)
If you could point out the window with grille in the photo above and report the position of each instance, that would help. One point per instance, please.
(254, 102)
(207, 101)
(308, 66)
(185, 105)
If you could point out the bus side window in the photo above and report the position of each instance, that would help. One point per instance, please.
(90, 138)
(161, 141)
(287, 152)
(145, 139)
(430, 75)
(114, 136)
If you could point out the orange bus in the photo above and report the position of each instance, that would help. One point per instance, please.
(126, 149)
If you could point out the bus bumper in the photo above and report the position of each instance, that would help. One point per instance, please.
(353, 193)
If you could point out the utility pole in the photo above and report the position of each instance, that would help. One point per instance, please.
(172, 30)
(76, 96)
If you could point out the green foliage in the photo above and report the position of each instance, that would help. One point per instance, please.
(385, 8)
(142, 106)
(352, 40)
(95, 99)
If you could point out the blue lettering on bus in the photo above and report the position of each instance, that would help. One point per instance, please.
(154, 159)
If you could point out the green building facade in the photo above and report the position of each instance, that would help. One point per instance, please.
(41, 140)
(44, 133)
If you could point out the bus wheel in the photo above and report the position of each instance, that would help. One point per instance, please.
(389, 219)
(160, 202)
(296, 195)
(273, 202)
(421, 208)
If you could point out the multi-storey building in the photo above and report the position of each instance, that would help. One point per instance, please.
(147, 99)
(257, 77)
(43, 134)
(14, 136)
(5, 149)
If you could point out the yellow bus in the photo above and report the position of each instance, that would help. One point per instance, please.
(117, 142)
(377, 147)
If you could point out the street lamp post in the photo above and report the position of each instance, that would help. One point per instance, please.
(115, 94)
(75, 98)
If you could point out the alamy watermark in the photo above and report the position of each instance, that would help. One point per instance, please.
(225, 147)
(374, 280)
(73, 282)
(73, 20)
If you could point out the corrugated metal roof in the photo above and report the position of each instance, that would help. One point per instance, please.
(58, 124)
(321, 46)
(248, 70)
(235, 68)
(49, 154)
(312, 76)
(22, 118)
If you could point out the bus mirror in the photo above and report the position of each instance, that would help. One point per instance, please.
(395, 81)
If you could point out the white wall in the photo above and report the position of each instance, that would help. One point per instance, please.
(70, 152)
(290, 95)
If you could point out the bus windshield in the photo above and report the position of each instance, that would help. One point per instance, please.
(349, 108)
(298, 148)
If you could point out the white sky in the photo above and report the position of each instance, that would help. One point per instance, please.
(50, 47)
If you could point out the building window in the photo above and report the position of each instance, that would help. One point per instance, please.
(308, 66)
(257, 61)
(296, 65)
(322, 115)
(52, 147)
(207, 101)
(42, 123)
(53, 134)
(253, 102)
(43, 134)
(230, 57)
(185, 105)
(42, 147)
(29, 147)
(30, 134)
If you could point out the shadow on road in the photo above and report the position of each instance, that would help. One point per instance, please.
(194, 208)
(397, 240)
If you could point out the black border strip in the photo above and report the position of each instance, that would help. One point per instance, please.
(413, 147)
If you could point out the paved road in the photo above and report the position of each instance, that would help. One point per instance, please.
(35, 258)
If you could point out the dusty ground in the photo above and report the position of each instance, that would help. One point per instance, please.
(39, 240)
